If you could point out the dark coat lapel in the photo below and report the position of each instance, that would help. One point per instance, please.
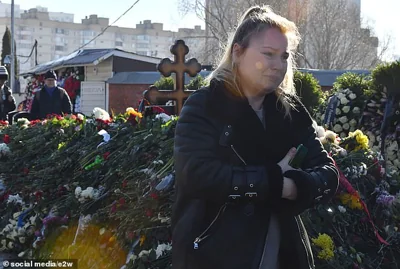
(249, 138)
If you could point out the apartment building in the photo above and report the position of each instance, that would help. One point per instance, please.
(57, 35)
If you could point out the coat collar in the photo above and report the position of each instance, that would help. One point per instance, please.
(226, 106)
(249, 135)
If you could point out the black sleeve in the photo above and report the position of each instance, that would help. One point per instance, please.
(200, 173)
(35, 111)
(66, 103)
(11, 104)
(318, 179)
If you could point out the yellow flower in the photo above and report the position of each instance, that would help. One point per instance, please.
(132, 111)
(112, 239)
(142, 239)
(351, 201)
(325, 243)
(362, 139)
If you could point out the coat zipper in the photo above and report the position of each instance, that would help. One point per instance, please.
(237, 154)
(303, 239)
(203, 235)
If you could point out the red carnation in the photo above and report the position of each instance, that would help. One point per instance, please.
(7, 139)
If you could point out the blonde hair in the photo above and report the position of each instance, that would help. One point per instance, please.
(255, 20)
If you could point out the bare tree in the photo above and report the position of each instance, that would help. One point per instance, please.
(335, 39)
(331, 31)
(221, 18)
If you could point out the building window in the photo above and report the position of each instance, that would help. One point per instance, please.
(61, 31)
(142, 46)
(88, 33)
(25, 37)
(24, 46)
(118, 43)
(59, 48)
(143, 37)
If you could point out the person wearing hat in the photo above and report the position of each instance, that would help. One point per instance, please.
(7, 101)
(51, 99)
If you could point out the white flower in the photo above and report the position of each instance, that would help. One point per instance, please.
(33, 219)
(341, 95)
(21, 230)
(22, 240)
(21, 254)
(371, 137)
(4, 150)
(12, 235)
(343, 135)
(346, 126)
(353, 122)
(16, 215)
(23, 121)
(352, 129)
(164, 117)
(80, 117)
(342, 209)
(16, 199)
(88, 193)
(10, 245)
(337, 128)
(338, 111)
(356, 110)
(391, 156)
(318, 129)
(161, 248)
(352, 96)
(346, 109)
(344, 101)
(101, 114)
(343, 119)
(144, 252)
(78, 191)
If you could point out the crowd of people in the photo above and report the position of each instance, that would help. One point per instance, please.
(49, 99)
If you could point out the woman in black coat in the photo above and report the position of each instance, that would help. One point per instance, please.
(238, 199)
(7, 101)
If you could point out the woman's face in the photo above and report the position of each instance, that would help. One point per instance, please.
(263, 65)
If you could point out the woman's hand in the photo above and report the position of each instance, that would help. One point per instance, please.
(284, 163)
(289, 190)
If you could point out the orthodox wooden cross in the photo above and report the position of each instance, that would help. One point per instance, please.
(179, 67)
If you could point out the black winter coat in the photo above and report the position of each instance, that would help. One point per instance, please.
(228, 182)
(6, 106)
(58, 103)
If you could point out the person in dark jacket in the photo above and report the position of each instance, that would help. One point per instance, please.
(7, 101)
(51, 99)
(237, 198)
